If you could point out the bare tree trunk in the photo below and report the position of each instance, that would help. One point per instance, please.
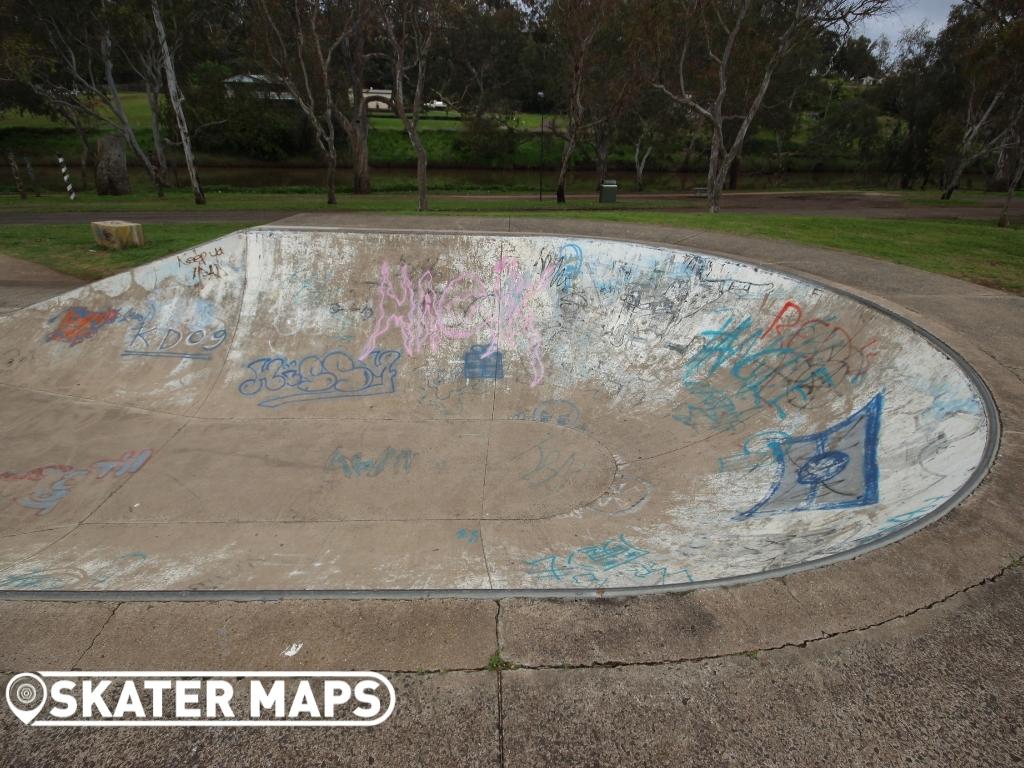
(954, 178)
(602, 148)
(359, 140)
(778, 156)
(1004, 215)
(734, 174)
(410, 29)
(332, 178)
(1001, 174)
(84, 140)
(716, 179)
(563, 169)
(153, 96)
(639, 162)
(421, 175)
(117, 107)
(177, 104)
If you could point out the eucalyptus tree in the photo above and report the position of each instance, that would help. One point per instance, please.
(318, 51)
(719, 58)
(410, 29)
(981, 55)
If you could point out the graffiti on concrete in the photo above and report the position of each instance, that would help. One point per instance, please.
(148, 338)
(554, 466)
(181, 342)
(497, 309)
(76, 324)
(203, 264)
(742, 408)
(318, 377)
(354, 465)
(482, 362)
(446, 390)
(54, 482)
(564, 413)
(741, 368)
(73, 578)
(592, 567)
(836, 468)
(567, 263)
(469, 535)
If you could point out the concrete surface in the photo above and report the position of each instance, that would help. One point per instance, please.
(909, 654)
(23, 283)
(400, 411)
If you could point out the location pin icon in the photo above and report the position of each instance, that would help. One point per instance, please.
(26, 695)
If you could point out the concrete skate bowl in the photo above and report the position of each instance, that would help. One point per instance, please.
(398, 413)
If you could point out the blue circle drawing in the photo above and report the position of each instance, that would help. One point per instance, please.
(822, 468)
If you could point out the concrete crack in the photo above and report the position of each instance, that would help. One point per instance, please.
(501, 713)
(96, 637)
(1013, 565)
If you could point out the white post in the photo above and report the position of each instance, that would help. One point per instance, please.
(67, 176)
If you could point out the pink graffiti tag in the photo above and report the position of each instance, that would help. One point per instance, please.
(497, 308)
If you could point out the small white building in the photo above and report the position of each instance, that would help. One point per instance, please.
(273, 89)
(378, 99)
(260, 86)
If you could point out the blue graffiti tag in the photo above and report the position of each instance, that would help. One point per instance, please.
(483, 362)
(594, 566)
(316, 377)
(564, 413)
(356, 466)
(833, 469)
(781, 367)
(469, 535)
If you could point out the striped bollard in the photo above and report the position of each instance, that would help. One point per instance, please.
(67, 176)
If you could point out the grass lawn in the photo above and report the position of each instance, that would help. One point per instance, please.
(384, 202)
(976, 251)
(135, 103)
(69, 248)
(971, 250)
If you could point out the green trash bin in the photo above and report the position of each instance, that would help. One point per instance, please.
(608, 191)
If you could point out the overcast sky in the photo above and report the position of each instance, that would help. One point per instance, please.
(910, 14)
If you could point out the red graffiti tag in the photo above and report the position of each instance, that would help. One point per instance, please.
(78, 324)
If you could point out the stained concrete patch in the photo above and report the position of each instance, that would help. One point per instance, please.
(901, 695)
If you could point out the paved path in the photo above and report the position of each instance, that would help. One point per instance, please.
(909, 655)
(23, 283)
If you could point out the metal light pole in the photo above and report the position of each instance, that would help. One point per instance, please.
(540, 172)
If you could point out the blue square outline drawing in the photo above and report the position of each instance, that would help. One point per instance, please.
(799, 483)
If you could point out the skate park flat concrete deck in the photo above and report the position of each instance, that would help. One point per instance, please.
(910, 651)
